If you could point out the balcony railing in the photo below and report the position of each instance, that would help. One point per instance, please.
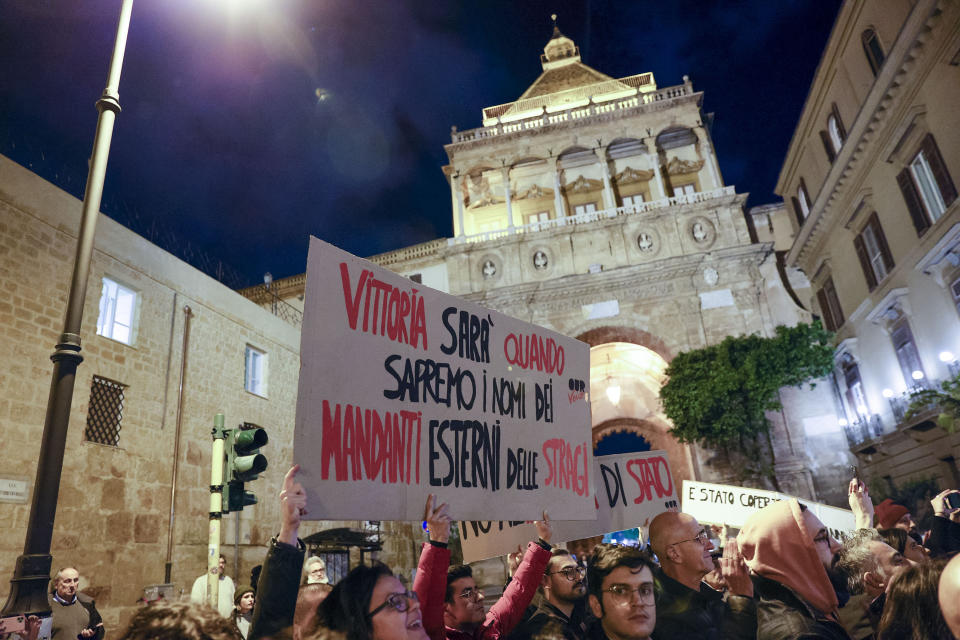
(594, 216)
(268, 298)
(864, 429)
(582, 108)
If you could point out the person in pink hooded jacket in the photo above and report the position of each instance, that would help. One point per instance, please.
(789, 551)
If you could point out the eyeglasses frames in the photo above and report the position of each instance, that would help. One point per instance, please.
(623, 594)
(399, 601)
(570, 573)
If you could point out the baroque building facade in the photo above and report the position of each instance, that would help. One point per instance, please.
(595, 206)
(871, 177)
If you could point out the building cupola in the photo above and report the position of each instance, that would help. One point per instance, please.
(560, 50)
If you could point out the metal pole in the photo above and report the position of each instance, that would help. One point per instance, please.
(216, 507)
(176, 444)
(28, 587)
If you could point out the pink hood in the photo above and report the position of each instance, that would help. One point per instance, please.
(776, 544)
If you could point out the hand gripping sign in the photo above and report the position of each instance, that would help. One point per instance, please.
(632, 488)
(406, 391)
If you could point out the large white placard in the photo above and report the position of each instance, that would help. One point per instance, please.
(727, 504)
(406, 391)
(631, 489)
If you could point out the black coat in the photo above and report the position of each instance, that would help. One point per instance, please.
(701, 615)
(277, 590)
(783, 615)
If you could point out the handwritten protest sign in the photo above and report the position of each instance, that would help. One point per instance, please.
(726, 504)
(632, 488)
(406, 391)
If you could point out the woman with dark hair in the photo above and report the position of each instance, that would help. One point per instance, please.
(905, 544)
(243, 601)
(370, 603)
(912, 610)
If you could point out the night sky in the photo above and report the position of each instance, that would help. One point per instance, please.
(225, 149)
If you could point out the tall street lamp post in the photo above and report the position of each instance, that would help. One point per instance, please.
(28, 587)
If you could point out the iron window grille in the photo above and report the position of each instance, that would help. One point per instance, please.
(105, 412)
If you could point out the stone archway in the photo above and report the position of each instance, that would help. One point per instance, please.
(602, 335)
(653, 431)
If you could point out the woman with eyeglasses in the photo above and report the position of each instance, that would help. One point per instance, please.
(370, 603)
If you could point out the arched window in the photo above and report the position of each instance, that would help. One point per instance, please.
(872, 49)
(804, 200)
(835, 138)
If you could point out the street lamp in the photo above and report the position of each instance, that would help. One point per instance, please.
(28, 587)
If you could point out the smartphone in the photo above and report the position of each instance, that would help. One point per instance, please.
(855, 472)
(13, 624)
(953, 500)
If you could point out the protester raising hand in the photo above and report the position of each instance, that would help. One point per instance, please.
(438, 520)
(544, 530)
(736, 574)
(860, 503)
(293, 506)
(941, 506)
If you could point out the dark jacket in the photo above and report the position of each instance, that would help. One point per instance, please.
(549, 623)
(277, 589)
(783, 615)
(944, 537)
(704, 614)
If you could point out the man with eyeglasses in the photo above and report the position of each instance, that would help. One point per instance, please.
(463, 611)
(686, 606)
(790, 552)
(620, 584)
(561, 612)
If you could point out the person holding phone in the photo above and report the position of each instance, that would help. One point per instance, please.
(945, 525)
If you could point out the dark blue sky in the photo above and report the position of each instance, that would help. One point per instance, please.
(224, 145)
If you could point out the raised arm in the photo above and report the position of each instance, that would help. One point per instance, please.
(431, 581)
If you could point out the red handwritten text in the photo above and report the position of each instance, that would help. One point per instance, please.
(651, 474)
(400, 314)
(533, 352)
(567, 466)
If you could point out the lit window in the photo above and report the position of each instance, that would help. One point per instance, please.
(927, 185)
(835, 138)
(582, 209)
(255, 380)
(804, 201)
(873, 252)
(684, 190)
(535, 218)
(118, 309)
(633, 201)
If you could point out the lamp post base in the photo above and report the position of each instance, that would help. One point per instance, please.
(29, 587)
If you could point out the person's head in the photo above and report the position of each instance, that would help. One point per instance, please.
(243, 600)
(370, 603)
(911, 611)
(949, 595)
(309, 597)
(66, 582)
(891, 515)
(682, 546)
(463, 608)
(905, 544)
(787, 543)
(315, 571)
(564, 582)
(620, 583)
(178, 621)
(869, 563)
(221, 565)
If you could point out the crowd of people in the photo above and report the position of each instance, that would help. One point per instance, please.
(781, 577)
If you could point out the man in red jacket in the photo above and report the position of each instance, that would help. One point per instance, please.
(463, 611)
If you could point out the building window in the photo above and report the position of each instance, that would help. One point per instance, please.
(118, 310)
(835, 134)
(833, 128)
(926, 185)
(873, 252)
(801, 203)
(534, 219)
(416, 277)
(873, 50)
(907, 355)
(955, 290)
(582, 209)
(633, 201)
(105, 412)
(255, 377)
(856, 398)
(684, 190)
(830, 305)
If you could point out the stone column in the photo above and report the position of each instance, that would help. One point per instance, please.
(458, 198)
(506, 195)
(558, 204)
(710, 158)
(609, 202)
(658, 192)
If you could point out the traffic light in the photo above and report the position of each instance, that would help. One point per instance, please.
(243, 463)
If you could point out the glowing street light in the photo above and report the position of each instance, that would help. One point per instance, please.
(917, 375)
(888, 393)
(947, 357)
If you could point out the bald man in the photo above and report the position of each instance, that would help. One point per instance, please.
(950, 595)
(686, 606)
